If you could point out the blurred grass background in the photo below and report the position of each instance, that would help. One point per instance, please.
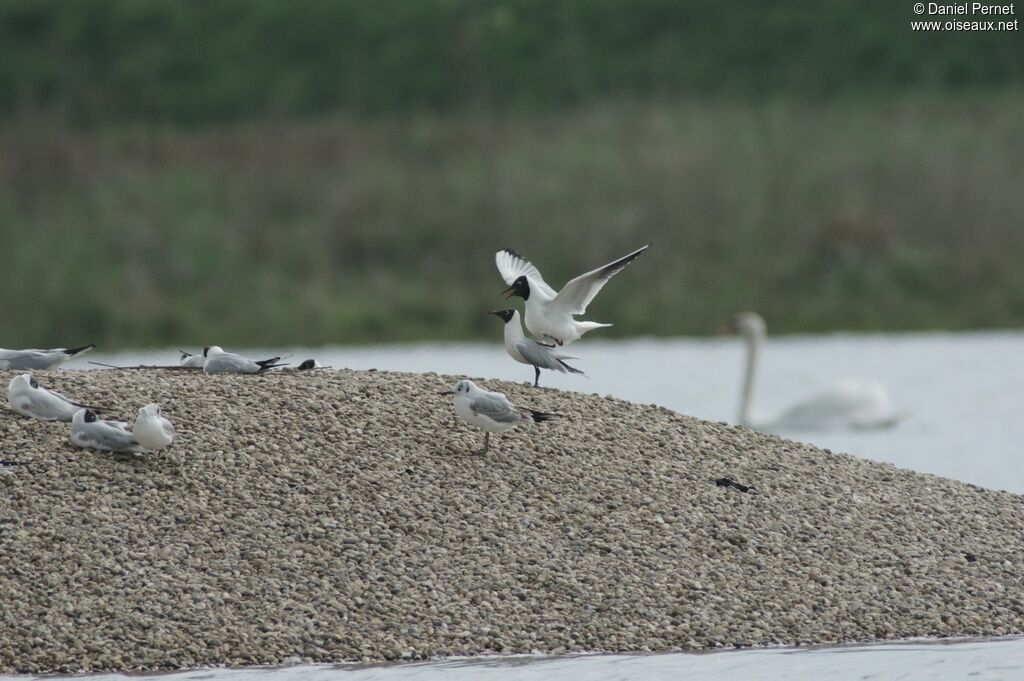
(256, 173)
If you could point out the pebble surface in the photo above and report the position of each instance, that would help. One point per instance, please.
(340, 515)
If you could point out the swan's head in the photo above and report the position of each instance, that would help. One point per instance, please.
(748, 324)
(520, 287)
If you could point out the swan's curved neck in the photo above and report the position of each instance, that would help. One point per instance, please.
(753, 339)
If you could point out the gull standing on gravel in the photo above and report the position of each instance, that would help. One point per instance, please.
(191, 361)
(549, 314)
(88, 431)
(40, 360)
(529, 351)
(151, 429)
(493, 412)
(28, 398)
(220, 362)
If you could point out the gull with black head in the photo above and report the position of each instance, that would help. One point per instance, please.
(28, 398)
(40, 360)
(491, 411)
(528, 351)
(549, 313)
(191, 360)
(90, 432)
(219, 362)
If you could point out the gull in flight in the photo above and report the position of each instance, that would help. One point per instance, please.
(88, 431)
(192, 361)
(28, 398)
(549, 314)
(493, 412)
(151, 429)
(528, 351)
(40, 359)
(220, 362)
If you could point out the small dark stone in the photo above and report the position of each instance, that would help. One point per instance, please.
(971, 558)
(729, 482)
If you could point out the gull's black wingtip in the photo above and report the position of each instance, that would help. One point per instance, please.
(80, 349)
(541, 416)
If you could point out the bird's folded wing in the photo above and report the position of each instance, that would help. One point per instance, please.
(539, 356)
(577, 294)
(495, 407)
(511, 265)
(113, 437)
(19, 354)
(64, 398)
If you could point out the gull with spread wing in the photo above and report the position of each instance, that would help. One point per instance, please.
(549, 313)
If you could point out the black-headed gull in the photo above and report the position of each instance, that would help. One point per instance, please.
(549, 314)
(40, 360)
(220, 362)
(28, 398)
(491, 411)
(87, 430)
(528, 351)
(190, 360)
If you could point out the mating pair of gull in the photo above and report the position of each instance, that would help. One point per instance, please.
(550, 315)
(150, 432)
(550, 318)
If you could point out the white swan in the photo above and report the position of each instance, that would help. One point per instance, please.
(854, 404)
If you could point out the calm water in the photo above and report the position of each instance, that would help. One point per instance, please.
(964, 394)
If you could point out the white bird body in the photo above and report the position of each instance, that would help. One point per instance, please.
(492, 412)
(847, 404)
(152, 430)
(528, 351)
(191, 361)
(28, 398)
(549, 313)
(108, 436)
(39, 360)
(219, 362)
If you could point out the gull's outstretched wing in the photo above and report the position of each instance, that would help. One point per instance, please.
(577, 294)
(511, 265)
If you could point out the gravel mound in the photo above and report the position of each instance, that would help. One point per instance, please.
(338, 515)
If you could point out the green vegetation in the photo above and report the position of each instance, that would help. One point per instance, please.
(96, 62)
(847, 215)
(270, 172)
